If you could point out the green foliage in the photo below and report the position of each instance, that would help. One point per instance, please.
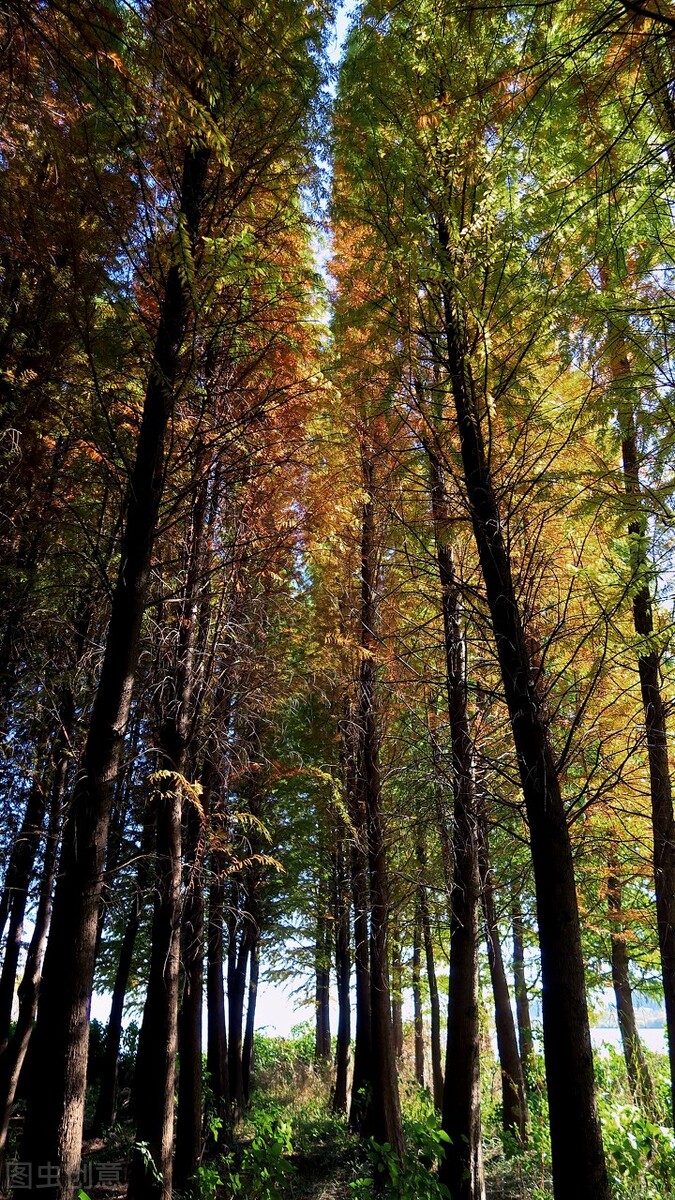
(640, 1153)
(264, 1171)
(414, 1178)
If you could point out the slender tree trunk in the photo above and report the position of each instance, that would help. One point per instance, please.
(55, 1107)
(397, 995)
(663, 820)
(322, 949)
(104, 1116)
(343, 974)
(237, 962)
(462, 1165)
(189, 1118)
(577, 1153)
(216, 1056)
(12, 1060)
(154, 1078)
(514, 1103)
(525, 1040)
(154, 1082)
(418, 1020)
(249, 1030)
(432, 983)
(19, 876)
(384, 1116)
(639, 1077)
(362, 1075)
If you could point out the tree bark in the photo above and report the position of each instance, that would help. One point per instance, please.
(418, 1020)
(576, 1144)
(55, 1107)
(249, 1029)
(343, 974)
(15, 895)
(237, 961)
(13, 1058)
(514, 1103)
(104, 1116)
(660, 783)
(639, 1077)
(322, 948)
(362, 1074)
(189, 1117)
(216, 1052)
(432, 983)
(397, 996)
(525, 1040)
(384, 1114)
(461, 1168)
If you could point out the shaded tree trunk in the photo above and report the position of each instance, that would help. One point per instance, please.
(322, 951)
(154, 1082)
(15, 895)
(384, 1114)
(104, 1116)
(189, 1118)
(432, 983)
(216, 1052)
(12, 1060)
(514, 1103)
(525, 1040)
(343, 974)
(397, 996)
(663, 820)
(577, 1153)
(418, 1019)
(153, 1091)
(461, 1168)
(362, 1074)
(55, 1108)
(249, 1030)
(639, 1077)
(237, 961)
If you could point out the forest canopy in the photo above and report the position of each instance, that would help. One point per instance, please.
(337, 497)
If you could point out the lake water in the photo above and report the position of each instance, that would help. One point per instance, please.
(653, 1039)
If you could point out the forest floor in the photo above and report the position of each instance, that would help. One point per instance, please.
(291, 1146)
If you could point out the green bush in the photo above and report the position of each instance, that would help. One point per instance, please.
(413, 1178)
(264, 1171)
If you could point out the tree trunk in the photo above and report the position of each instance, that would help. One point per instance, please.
(397, 996)
(417, 996)
(17, 884)
(362, 1075)
(384, 1115)
(104, 1116)
(343, 974)
(55, 1107)
(237, 962)
(525, 1040)
(216, 1053)
(189, 1118)
(158, 1039)
(514, 1103)
(154, 1079)
(639, 1077)
(576, 1144)
(432, 983)
(247, 1048)
(663, 821)
(14, 1056)
(461, 1168)
(322, 948)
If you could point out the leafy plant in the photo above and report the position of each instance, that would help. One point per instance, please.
(414, 1177)
(264, 1172)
